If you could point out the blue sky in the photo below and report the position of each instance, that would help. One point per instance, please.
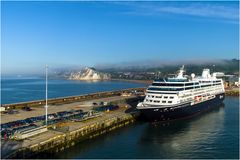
(99, 33)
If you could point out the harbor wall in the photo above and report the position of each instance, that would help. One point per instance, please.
(60, 142)
(71, 99)
(233, 92)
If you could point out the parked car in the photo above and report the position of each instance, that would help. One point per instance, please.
(26, 108)
(13, 112)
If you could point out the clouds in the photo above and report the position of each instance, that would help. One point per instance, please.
(219, 10)
(202, 10)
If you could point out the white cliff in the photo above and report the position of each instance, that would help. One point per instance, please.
(89, 74)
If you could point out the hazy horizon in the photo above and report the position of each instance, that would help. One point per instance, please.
(136, 65)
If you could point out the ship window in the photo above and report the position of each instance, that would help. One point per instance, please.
(168, 84)
(161, 93)
(165, 97)
(150, 100)
(189, 88)
(156, 101)
(169, 101)
(188, 84)
(164, 89)
(156, 84)
(176, 80)
(152, 96)
(163, 101)
(206, 85)
(148, 95)
(171, 97)
(158, 96)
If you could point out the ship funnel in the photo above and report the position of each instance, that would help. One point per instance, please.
(206, 73)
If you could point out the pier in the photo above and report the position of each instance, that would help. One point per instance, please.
(65, 134)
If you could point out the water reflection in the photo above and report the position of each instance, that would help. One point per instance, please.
(186, 137)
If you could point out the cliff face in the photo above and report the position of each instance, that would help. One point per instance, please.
(89, 74)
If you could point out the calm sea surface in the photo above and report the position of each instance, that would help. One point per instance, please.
(27, 89)
(214, 134)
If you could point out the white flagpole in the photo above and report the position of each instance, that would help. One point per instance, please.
(46, 106)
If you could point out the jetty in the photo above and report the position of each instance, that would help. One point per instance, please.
(73, 129)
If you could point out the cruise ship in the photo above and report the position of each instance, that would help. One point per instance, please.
(181, 96)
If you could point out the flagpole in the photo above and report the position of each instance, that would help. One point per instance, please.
(46, 106)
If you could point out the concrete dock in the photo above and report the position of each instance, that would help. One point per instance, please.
(40, 110)
(64, 135)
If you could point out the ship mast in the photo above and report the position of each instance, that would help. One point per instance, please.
(180, 72)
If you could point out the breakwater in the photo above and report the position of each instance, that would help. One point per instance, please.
(71, 99)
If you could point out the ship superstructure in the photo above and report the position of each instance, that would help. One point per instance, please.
(181, 96)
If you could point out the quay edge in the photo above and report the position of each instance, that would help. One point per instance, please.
(65, 140)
